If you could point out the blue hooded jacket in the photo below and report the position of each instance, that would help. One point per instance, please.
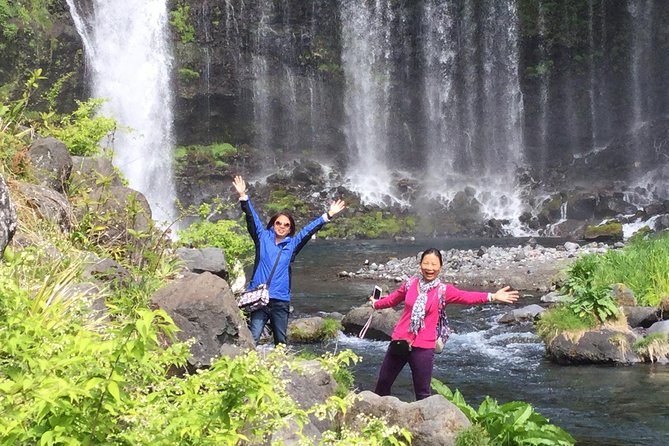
(266, 251)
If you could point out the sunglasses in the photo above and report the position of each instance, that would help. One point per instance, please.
(285, 225)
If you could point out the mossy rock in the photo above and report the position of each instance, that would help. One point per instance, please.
(611, 231)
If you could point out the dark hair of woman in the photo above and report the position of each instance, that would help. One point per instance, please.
(288, 216)
(434, 251)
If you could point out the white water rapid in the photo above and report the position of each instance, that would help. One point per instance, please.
(129, 61)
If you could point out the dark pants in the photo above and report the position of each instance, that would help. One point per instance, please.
(276, 312)
(420, 360)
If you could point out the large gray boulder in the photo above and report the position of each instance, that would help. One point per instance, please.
(382, 326)
(527, 313)
(8, 219)
(199, 260)
(204, 308)
(432, 421)
(48, 204)
(598, 346)
(51, 162)
(92, 173)
(308, 384)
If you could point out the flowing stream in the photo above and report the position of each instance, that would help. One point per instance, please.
(598, 405)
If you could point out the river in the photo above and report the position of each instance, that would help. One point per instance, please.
(598, 405)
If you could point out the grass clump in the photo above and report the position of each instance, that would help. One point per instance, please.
(474, 435)
(562, 319)
(652, 347)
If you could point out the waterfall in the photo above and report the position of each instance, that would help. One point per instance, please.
(128, 55)
(473, 102)
(366, 61)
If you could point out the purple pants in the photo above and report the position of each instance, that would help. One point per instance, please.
(420, 360)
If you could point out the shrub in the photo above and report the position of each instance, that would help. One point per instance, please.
(82, 131)
(514, 423)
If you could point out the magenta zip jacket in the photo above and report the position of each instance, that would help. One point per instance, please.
(408, 292)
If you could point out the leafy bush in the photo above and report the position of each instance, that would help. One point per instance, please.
(180, 19)
(512, 424)
(82, 131)
(225, 234)
(591, 298)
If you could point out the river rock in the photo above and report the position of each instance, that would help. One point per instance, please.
(382, 325)
(659, 327)
(432, 421)
(528, 313)
(598, 346)
(204, 308)
(307, 330)
(641, 316)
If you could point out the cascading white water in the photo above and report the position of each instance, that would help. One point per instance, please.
(473, 101)
(366, 51)
(129, 58)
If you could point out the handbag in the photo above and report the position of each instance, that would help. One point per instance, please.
(258, 297)
(443, 330)
(400, 347)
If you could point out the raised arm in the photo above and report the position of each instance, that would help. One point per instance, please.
(302, 237)
(253, 223)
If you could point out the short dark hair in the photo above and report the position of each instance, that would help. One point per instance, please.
(434, 251)
(288, 216)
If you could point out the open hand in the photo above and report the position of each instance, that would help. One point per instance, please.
(240, 185)
(336, 207)
(505, 295)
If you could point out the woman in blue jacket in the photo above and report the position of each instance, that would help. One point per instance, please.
(277, 237)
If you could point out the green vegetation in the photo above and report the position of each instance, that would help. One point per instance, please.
(474, 435)
(218, 154)
(640, 266)
(562, 319)
(511, 424)
(281, 200)
(180, 19)
(610, 229)
(225, 234)
(652, 347)
(367, 226)
(81, 131)
(187, 75)
(329, 330)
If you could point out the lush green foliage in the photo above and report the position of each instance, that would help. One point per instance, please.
(219, 154)
(511, 424)
(225, 234)
(23, 13)
(642, 266)
(281, 200)
(590, 298)
(367, 226)
(180, 19)
(81, 131)
(474, 435)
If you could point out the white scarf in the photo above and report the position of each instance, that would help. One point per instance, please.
(418, 311)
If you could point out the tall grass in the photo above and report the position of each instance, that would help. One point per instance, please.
(643, 266)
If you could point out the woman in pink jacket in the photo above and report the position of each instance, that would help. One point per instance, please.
(416, 330)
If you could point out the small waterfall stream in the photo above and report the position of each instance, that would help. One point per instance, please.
(129, 59)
